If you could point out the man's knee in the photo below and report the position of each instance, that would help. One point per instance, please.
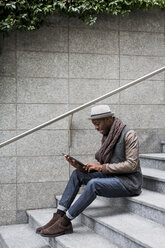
(92, 184)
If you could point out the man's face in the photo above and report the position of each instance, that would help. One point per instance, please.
(102, 125)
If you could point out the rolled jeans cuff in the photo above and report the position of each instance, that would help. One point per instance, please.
(60, 207)
(69, 216)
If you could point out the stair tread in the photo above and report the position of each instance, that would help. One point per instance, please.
(154, 173)
(156, 156)
(21, 235)
(150, 198)
(76, 239)
(128, 224)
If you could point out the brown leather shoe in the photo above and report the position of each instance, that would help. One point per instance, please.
(57, 229)
(50, 223)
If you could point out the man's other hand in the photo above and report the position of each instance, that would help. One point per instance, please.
(90, 166)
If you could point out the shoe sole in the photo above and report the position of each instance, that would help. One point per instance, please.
(57, 234)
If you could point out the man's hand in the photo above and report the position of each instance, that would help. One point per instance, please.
(93, 166)
(74, 163)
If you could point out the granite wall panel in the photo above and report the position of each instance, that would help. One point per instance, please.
(9, 150)
(8, 196)
(42, 90)
(38, 195)
(43, 143)
(148, 92)
(84, 90)
(133, 67)
(37, 169)
(8, 42)
(31, 115)
(93, 41)
(143, 116)
(8, 170)
(39, 64)
(8, 63)
(54, 39)
(7, 217)
(140, 43)
(94, 66)
(8, 116)
(8, 90)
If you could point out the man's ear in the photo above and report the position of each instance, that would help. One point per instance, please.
(109, 119)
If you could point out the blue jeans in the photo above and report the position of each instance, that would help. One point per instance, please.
(97, 183)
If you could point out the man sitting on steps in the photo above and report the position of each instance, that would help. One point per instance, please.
(117, 173)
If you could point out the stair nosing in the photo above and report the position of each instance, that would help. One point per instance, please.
(152, 176)
(151, 205)
(153, 156)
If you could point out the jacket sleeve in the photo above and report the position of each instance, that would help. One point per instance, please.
(132, 157)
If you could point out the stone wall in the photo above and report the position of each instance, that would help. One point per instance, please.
(64, 64)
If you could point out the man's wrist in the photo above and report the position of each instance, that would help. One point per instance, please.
(104, 169)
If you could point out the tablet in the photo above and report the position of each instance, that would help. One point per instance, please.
(80, 163)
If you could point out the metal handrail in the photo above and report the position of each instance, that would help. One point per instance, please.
(82, 107)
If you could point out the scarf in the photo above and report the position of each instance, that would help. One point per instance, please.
(103, 155)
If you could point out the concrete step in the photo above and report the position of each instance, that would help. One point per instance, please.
(148, 204)
(20, 236)
(153, 160)
(124, 228)
(80, 238)
(104, 208)
(154, 179)
(163, 146)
